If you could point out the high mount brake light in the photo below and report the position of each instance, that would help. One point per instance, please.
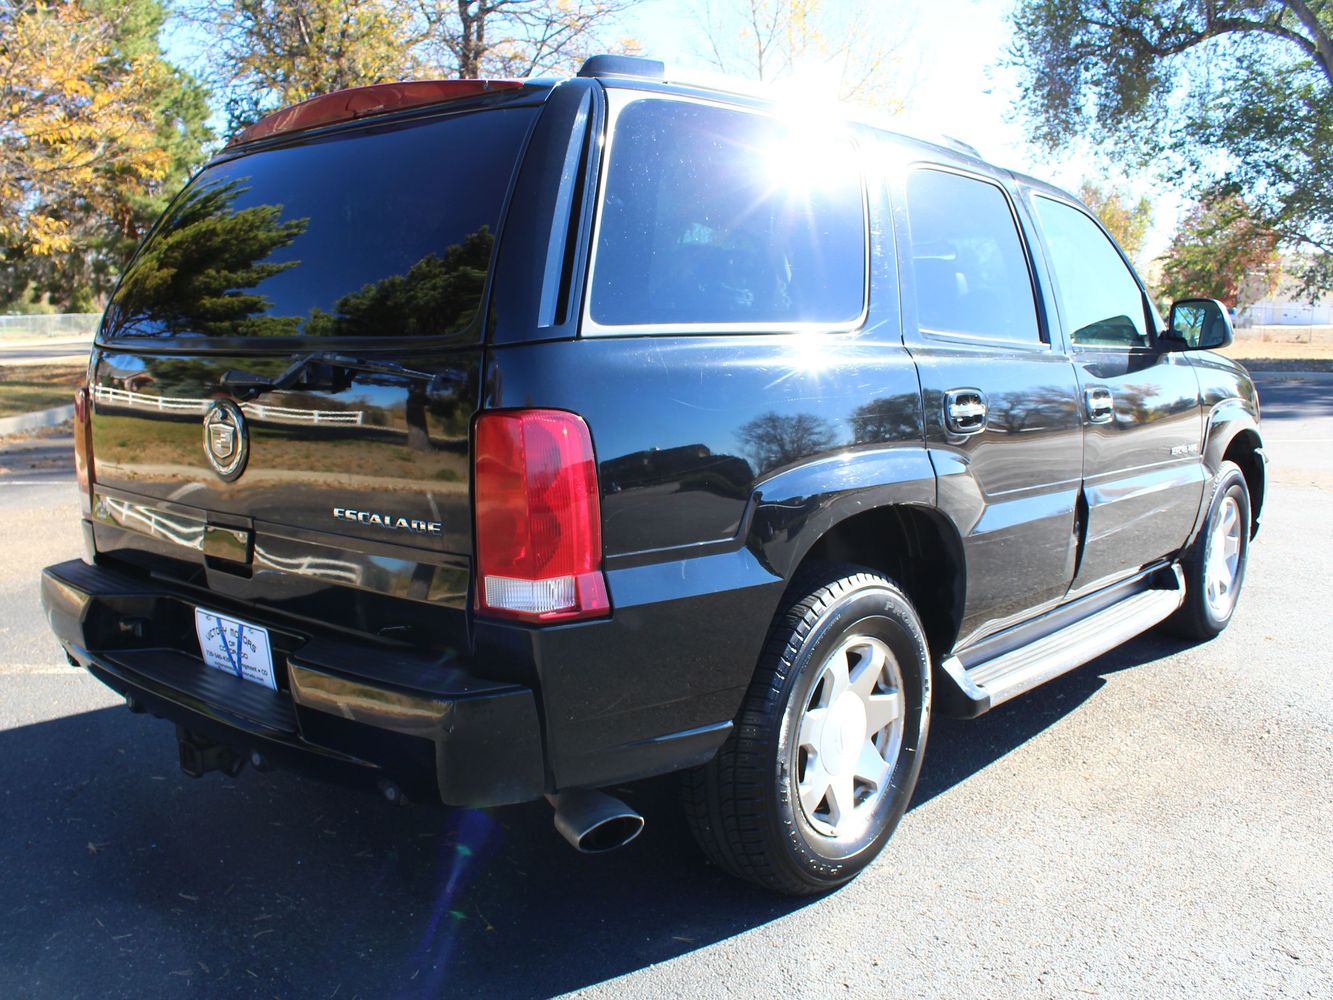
(539, 518)
(357, 102)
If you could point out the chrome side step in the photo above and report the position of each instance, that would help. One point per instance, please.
(981, 686)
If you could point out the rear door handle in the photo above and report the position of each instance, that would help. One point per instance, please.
(1100, 404)
(965, 411)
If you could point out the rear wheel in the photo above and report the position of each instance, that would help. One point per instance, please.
(1215, 564)
(825, 755)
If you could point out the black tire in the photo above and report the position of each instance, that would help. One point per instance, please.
(744, 807)
(1199, 618)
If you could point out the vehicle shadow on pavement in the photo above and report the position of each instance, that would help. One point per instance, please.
(125, 878)
(958, 749)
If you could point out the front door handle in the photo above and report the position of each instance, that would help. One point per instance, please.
(1101, 406)
(965, 411)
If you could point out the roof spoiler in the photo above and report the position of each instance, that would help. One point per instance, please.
(360, 102)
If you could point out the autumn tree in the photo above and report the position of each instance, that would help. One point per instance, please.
(1232, 97)
(266, 54)
(1221, 251)
(851, 45)
(96, 131)
(1127, 222)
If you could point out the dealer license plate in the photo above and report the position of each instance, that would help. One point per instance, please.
(239, 648)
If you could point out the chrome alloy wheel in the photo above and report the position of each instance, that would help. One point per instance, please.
(1222, 559)
(848, 736)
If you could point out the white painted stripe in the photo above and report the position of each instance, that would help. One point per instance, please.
(42, 669)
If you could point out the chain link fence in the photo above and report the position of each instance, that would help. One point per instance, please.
(57, 326)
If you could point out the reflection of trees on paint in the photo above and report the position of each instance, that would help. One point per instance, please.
(198, 273)
(1029, 409)
(435, 296)
(890, 420)
(773, 440)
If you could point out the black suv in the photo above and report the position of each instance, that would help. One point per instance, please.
(479, 441)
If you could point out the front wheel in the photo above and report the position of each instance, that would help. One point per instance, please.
(1215, 564)
(825, 755)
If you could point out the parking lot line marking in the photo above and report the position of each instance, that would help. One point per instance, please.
(35, 669)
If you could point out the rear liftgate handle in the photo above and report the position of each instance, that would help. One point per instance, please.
(965, 411)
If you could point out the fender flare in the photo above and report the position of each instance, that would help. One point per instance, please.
(1225, 422)
(794, 509)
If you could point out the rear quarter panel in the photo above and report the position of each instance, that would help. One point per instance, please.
(721, 460)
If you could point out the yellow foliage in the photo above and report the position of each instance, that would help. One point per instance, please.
(68, 117)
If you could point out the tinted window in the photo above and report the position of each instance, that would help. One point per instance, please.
(971, 272)
(717, 216)
(1100, 299)
(381, 233)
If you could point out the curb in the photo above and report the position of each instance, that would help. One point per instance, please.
(35, 421)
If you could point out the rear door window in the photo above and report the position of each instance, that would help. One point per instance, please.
(386, 232)
(724, 218)
(971, 271)
(1102, 304)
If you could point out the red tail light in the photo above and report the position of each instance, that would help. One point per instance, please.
(83, 447)
(539, 518)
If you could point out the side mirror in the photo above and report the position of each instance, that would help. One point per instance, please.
(1199, 325)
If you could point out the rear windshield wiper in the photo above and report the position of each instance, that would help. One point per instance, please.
(249, 384)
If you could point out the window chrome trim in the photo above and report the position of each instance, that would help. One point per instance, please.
(617, 102)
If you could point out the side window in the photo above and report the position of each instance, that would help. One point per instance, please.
(967, 258)
(1101, 301)
(714, 216)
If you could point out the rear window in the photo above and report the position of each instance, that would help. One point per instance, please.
(715, 217)
(382, 233)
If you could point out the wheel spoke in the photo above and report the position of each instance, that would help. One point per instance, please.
(867, 672)
(841, 799)
(835, 674)
(815, 786)
(1229, 518)
(812, 725)
(871, 767)
(882, 710)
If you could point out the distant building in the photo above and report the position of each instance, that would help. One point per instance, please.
(1287, 306)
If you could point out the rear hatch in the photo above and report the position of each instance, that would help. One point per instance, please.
(285, 377)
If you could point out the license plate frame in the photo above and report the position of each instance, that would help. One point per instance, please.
(236, 647)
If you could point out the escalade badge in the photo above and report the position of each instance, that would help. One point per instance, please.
(226, 441)
(384, 519)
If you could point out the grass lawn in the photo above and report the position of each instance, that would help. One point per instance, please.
(26, 388)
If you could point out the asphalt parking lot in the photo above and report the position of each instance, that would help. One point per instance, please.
(1155, 824)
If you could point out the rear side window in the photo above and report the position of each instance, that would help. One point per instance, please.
(971, 271)
(1101, 302)
(380, 233)
(713, 217)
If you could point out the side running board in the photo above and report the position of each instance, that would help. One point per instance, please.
(972, 689)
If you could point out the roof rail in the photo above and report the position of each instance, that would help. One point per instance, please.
(632, 66)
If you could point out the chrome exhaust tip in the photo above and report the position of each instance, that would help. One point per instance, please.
(594, 822)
